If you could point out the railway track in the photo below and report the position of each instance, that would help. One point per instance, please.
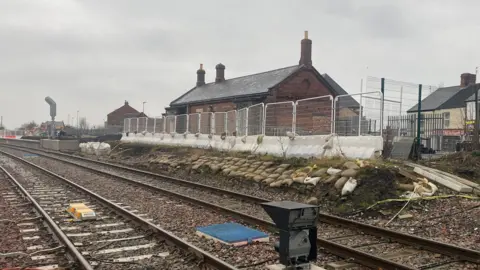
(354, 240)
(27, 239)
(119, 238)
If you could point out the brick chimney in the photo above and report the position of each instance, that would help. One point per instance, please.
(200, 76)
(126, 102)
(467, 79)
(220, 73)
(306, 51)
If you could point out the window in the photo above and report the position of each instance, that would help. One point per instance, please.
(446, 119)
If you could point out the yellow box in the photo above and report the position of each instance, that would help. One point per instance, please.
(80, 211)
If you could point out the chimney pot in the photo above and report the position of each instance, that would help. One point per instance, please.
(200, 76)
(306, 51)
(467, 79)
(220, 73)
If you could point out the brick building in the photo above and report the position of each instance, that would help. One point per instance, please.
(116, 118)
(291, 83)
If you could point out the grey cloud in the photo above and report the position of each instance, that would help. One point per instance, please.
(91, 55)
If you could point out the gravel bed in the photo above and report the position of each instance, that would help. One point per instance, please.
(444, 220)
(171, 214)
(223, 200)
(175, 260)
(328, 232)
(454, 220)
(205, 195)
(12, 239)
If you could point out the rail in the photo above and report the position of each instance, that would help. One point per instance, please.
(74, 252)
(202, 255)
(427, 244)
(358, 256)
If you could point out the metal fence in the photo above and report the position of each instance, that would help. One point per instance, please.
(346, 115)
(314, 116)
(431, 129)
(279, 118)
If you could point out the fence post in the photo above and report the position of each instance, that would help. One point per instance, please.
(294, 118)
(334, 114)
(188, 121)
(154, 125)
(225, 123)
(246, 123)
(476, 126)
(360, 109)
(212, 123)
(382, 109)
(419, 118)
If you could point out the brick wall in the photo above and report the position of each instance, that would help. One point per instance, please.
(116, 117)
(313, 116)
(217, 107)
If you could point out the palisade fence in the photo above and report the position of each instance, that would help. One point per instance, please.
(345, 115)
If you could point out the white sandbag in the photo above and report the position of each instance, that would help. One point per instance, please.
(83, 147)
(311, 180)
(349, 186)
(102, 149)
(333, 171)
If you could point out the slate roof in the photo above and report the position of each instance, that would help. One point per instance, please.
(254, 84)
(445, 98)
(472, 97)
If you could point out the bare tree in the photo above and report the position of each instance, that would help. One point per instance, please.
(82, 124)
(29, 126)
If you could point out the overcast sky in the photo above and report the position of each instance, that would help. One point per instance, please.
(92, 55)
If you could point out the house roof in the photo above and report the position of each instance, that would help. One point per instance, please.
(445, 98)
(125, 107)
(472, 97)
(254, 84)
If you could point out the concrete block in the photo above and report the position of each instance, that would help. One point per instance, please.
(443, 180)
(60, 145)
(301, 146)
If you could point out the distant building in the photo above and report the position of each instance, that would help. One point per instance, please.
(116, 118)
(450, 103)
(59, 125)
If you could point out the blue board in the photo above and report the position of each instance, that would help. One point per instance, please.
(27, 155)
(232, 232)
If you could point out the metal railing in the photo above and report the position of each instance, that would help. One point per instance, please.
(345, 115)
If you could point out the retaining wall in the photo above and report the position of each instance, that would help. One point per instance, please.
(25, 143)
(60, 145)
(57, 145)
(301, 146)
